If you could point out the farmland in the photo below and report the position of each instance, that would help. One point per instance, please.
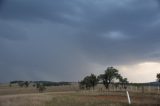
(70, 95)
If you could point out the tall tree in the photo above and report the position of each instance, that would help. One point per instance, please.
(93, 80)
(88, 82)
(81, 84)
(85, 83)
(123, 81)
(110, 74)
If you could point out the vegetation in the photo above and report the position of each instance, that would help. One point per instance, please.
(107, 78)
(88, 82)
(41, 88)
(49, 83)
(123, 82)
(93, 80)
(109, 75)
(82, 100)
(20, 83)
(78, 99)
(30, 97)
(35, 83)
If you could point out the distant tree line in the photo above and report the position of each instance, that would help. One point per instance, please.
(20, 83)
(49, 83)
(34, 83)
(40, 85)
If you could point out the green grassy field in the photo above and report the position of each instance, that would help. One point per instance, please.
(71, 96)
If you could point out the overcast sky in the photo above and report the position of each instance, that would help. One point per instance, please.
(64, 40)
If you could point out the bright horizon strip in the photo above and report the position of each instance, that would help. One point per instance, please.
(137, 73)
(141, 73)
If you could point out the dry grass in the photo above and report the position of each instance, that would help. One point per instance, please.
(78, 100)
(70, 96)
(24, 100)
(6, 90)
(145, 99)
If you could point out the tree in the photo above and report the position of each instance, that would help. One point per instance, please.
(81, 84)
(26, 83)
(41, 88)
(158, 77)
(37, 85)
(93, 80)
(21, 83)
(88, 82)
(110, 74)
(123, 81)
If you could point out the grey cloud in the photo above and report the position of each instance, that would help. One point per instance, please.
(11, 33)
(61, 40)
(133, 22)
(29, 10)
(1, 2)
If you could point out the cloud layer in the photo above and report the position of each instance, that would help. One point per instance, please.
(64, 40)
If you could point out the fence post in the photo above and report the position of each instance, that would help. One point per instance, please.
(128, 97)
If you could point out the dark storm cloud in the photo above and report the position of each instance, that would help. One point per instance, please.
(138, 35)
(1, 1)
(29, 10)
(61, 40)
(11, 33)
